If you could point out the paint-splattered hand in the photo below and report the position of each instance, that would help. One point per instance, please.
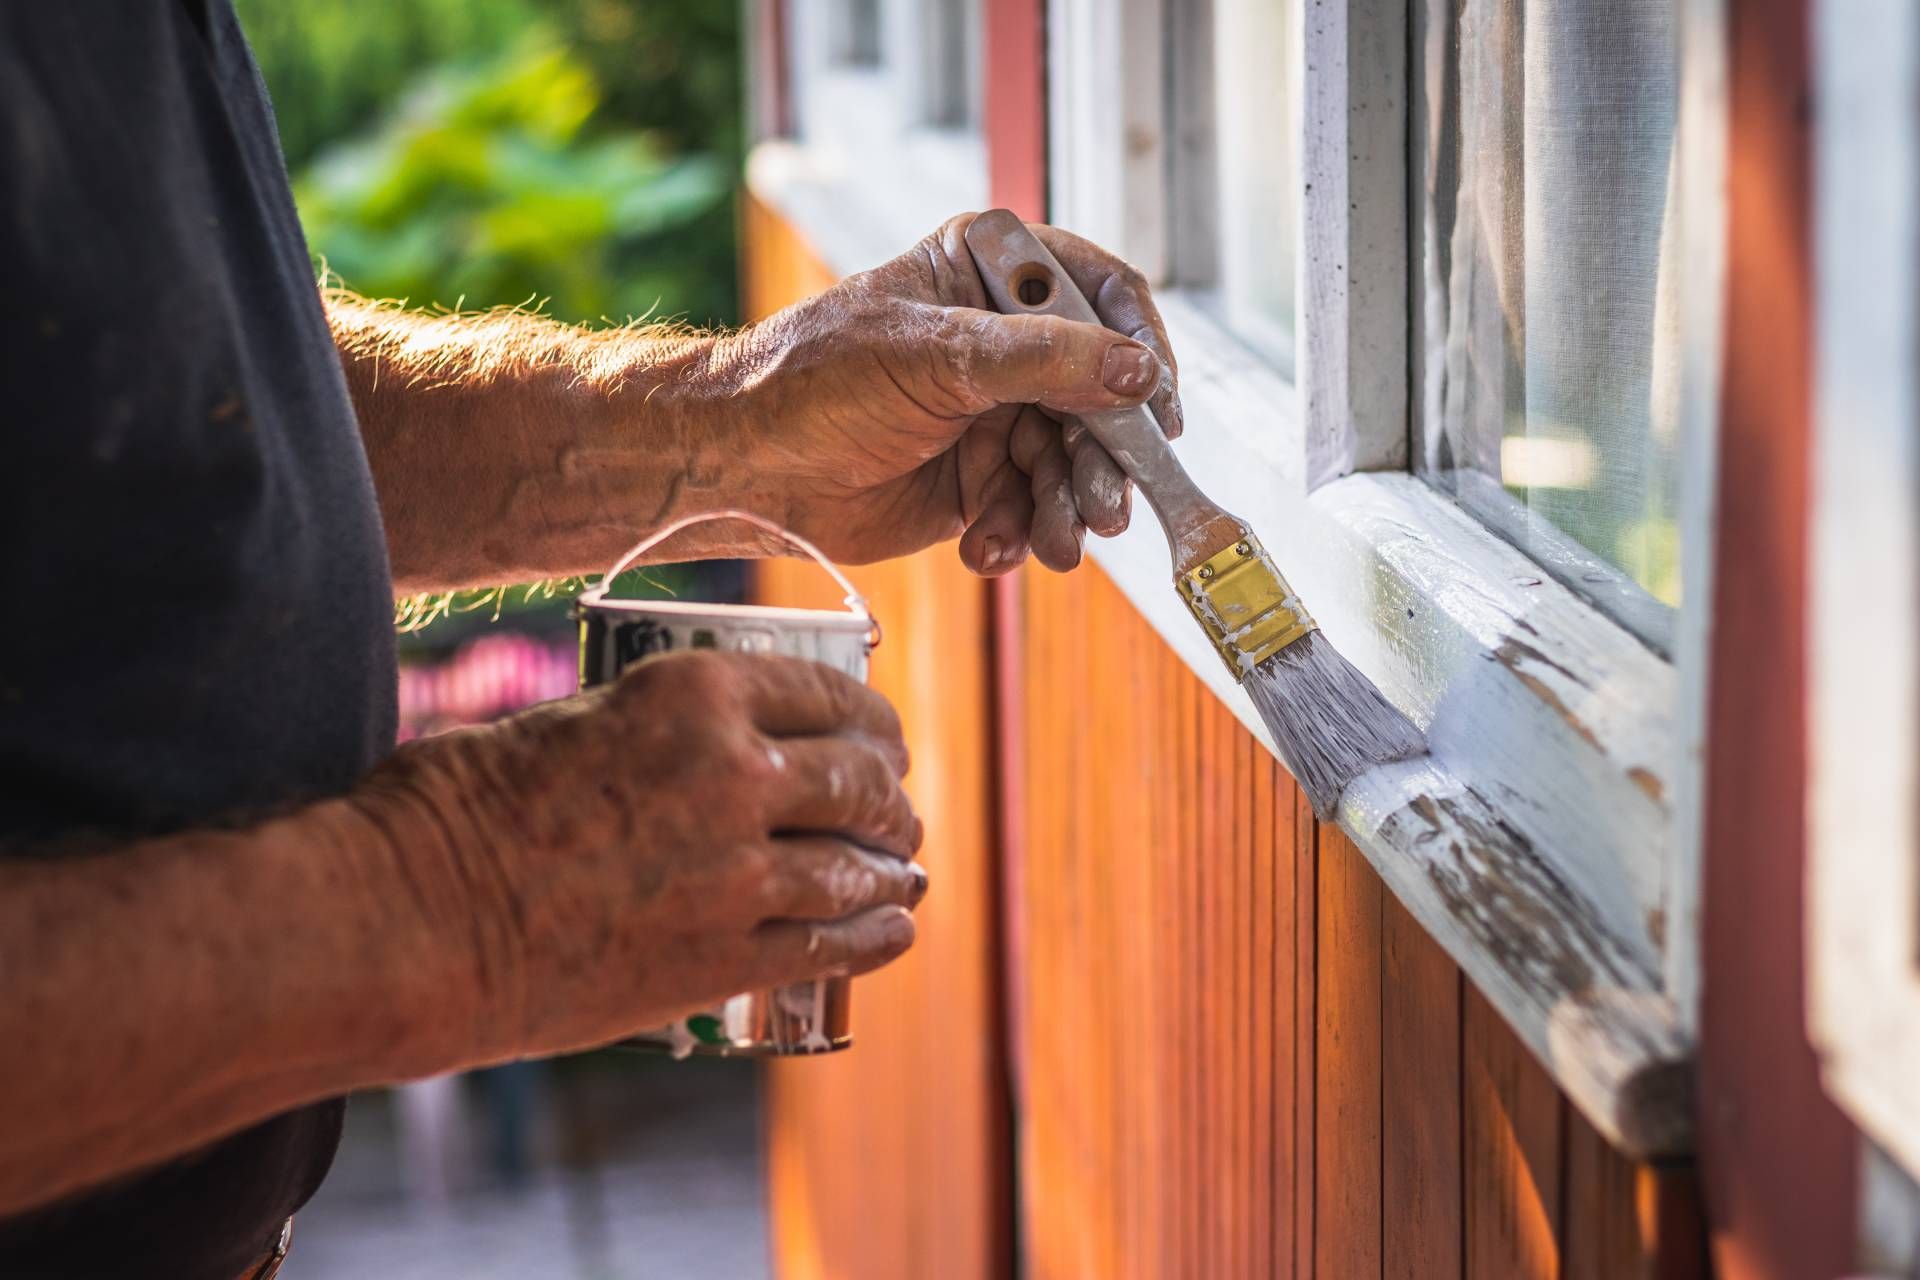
(897, 409)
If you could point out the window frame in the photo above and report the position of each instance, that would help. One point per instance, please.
(1863, 822)
(866, 173)
(1554, 834)
(1563, 800)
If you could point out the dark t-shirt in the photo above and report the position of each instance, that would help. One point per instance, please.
(198, 625)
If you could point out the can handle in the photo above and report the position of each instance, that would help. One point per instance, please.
(855, 602)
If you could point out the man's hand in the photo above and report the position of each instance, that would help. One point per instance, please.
(710, 823)
(891, 412)
(897, 409)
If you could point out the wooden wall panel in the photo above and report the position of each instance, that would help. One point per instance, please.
(1420, 1103)
(1243, 1058)
(1347, 1043)
(1511, 1153)
(891, 1159)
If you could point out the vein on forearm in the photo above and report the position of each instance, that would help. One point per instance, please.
(507, 446)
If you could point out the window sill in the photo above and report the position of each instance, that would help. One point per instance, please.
(1535, 844)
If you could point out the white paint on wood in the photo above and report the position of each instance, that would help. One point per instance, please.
(1863, 939)
(1353, 300)
(1701, 179)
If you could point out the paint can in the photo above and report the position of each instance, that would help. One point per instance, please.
(805, 1017)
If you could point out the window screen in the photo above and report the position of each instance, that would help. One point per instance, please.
(1545, 317)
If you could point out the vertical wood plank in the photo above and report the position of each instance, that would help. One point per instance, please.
(1420, 1177)
(1282, 1211)
(1628, 1221)
(1512, 1152)
(1264, 952)
(1347, 1074)
(1781, 1159)
(1306, 1020)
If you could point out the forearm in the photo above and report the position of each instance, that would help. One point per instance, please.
(164, 995)
(507, 447)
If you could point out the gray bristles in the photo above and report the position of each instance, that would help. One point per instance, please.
(1329, 722)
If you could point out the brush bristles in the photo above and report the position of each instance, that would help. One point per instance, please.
(1328, 720)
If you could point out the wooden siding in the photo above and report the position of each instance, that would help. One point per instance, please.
(1237, 1054)
(1242, 1056)
(891, 1159)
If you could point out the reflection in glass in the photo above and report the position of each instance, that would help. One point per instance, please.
(1546, 336)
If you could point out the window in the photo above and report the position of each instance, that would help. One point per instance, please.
(1863, 937)
(949, 51)
(853, 33)
(1237, 216)
(1445, 322)
(1200, 190)
(885, 110)
(1546, 317)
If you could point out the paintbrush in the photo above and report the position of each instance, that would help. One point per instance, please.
(1329, 722)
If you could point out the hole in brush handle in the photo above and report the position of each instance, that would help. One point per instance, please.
(1033, 285)
(1021, 276)
(1011, 260)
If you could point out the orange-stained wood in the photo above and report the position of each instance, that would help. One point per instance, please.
(1628, 1221)
(891, 1159)
(1420, 1099)
(1347, 1161)
(1243, 1057)
(1512, 1151)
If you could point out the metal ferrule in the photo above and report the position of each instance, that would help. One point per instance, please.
(1244, 605)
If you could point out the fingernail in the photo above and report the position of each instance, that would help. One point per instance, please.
(919, 890)
(1178, 412)
(991, 551)
(1129, 370)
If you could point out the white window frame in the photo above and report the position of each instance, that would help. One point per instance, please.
(1863, 882)
(1551, 845)
(868, 171)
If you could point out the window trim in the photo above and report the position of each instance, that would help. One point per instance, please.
(862, 205)
(1863, 821)
(1555, 833)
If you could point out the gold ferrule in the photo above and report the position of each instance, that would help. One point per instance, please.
(1244, 605)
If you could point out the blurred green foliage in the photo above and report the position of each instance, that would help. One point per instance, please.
(576, 154)
(580, 154)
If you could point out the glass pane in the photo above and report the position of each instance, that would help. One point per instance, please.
(1256, 125)
(1546, 335)
(854, 33)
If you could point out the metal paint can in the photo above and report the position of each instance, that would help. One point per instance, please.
(806, 1017)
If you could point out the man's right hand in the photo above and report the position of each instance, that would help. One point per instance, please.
(708, 824)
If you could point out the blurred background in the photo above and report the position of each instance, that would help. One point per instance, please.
(580, 157)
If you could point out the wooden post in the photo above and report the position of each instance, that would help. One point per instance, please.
(1778, 1159)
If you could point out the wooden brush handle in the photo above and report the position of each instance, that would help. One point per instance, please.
(1024, 279)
